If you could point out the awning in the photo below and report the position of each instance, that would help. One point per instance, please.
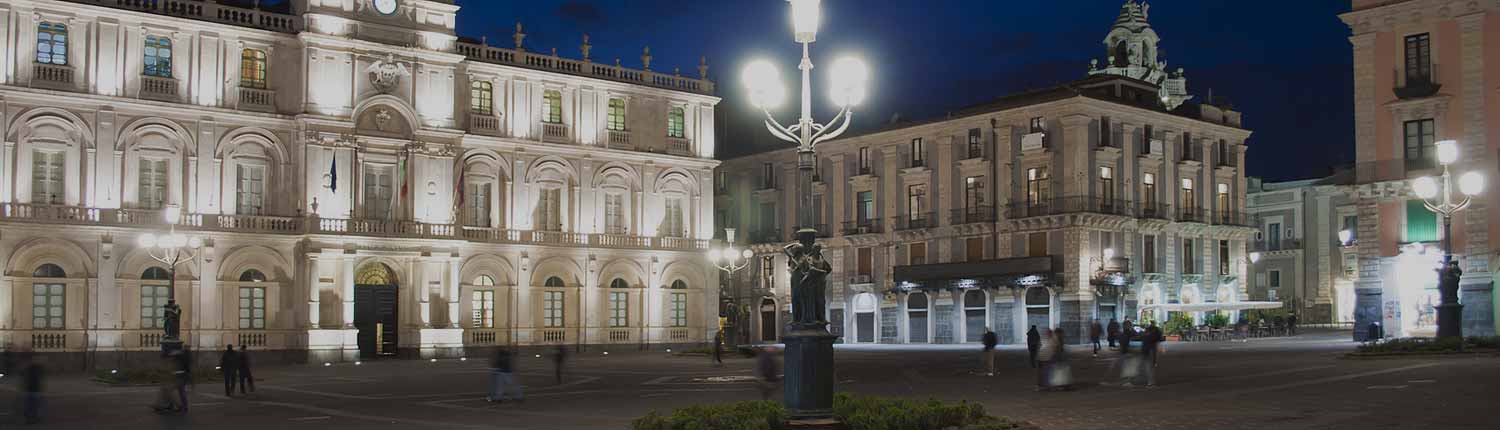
(1206, 307)
(988, 273)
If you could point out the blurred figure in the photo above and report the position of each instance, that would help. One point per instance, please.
(229, 366)
(1095, 330)
(1242, 330)
(1033, 343)
(1150, 344)
(1113, 332)
(1043, 357)
(1375, 332)
(559, 358)
(1291, 324)
(1061, 373)
(768, 370)
(714, 350)
(166, 399)
(31, 389)
(182, 375)
(989, 351)
(1127, 331)
(503, 377)
(246, 379)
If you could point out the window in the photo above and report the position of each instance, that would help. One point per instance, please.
(767, 219)
(1275, 278)
(1189, 198)
(251, 193)
(918, 152)
(916, 202)
(252, 308)
(973, 193)
(1421, 224)
(378, 192)
(676, 124)
(1036, 244)
(1106, 132)
(1351, 223)
(549, 208)
(153, 183)
(1420, 138)
(552, 309)
(479, 198)
(1149, 260)
(768, 272)
(1222, 201)
(1273, 236)
(1036, 187)
(864, 261)
(1223, 151)
(483, 306)
(1038, 124)
(52, 43)
(552, 106)
(252, 275)
(482, 97)
(616, 116)
(721, 181)
(1418, 58)
(1189, 262)
(1107, 185)
(865, 205)
(679, 306)
(916, 253)
(253, 69)
(47, 298)
(1223, 257)
(974, 249)
(619, 304)
(767, 176)
(674, 226)
(864, 160)
(614, 213)
(976, 148)
(1148, 195)
(158, 61)
(154, 295)
(47, 177)
(554, 282)
(1148, 133)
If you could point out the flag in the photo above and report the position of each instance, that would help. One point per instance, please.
(333, 173)
(458, 187)
(401, 179)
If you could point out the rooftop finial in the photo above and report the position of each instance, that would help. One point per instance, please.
(677, 71)
(520, 37)
(646, 58)
(554, 52)
(585, 47)
(703, 67)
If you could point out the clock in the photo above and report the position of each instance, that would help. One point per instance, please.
(385, 7)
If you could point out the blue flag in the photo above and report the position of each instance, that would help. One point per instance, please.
(333, 174)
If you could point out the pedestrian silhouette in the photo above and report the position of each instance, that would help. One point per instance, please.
(1033, 343)
(229, 366)
(502, 379)
(246, 379)
(559, 359)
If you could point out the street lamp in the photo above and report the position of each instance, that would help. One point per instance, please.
(1439, 198)
(809, 345)
(171, 249)
(731, 260)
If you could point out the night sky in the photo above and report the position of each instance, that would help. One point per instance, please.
(1286, 64)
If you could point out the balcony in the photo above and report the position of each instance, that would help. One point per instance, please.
(975, 152)
(1192, 214)
(159, 88)
(1232, 218)
(484, 123)
(864, 226)
(1416, 85)
(256, 99)
(915, 221)
(767, 235)
(1067, 205)
(56, 75)
(863, 170)
(620, 139)
(972, 215)
(554, 132)
(1155, 211)
(1282, 244)
(679, 146)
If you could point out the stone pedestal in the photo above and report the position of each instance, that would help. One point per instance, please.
(809, 373)
(170, 344)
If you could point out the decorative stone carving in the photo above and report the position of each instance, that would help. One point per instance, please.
(386, 74)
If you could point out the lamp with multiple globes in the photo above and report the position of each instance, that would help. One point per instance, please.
(171, 249)
(1444, 198)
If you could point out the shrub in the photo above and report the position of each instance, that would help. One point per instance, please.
(857, 412)
(756, 415)
(1429, 345)
(1178, 324)
(1216, 320)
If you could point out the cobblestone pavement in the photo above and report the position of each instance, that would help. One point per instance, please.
(1268, 383)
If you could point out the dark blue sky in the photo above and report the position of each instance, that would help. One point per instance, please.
(1285, 63)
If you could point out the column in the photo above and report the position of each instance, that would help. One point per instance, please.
(959, 320)
(314, 287)
(452, 282)
(346, 284)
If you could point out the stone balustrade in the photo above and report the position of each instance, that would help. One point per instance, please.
(158, 88)
(490, 54)
(52, 73)
(257, 99)
(207, 11)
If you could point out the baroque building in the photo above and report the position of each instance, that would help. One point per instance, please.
(1306, 232)
(364, 182)
(1420, 77)
(1050, 208)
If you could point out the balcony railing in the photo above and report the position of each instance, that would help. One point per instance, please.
(971, 215)
(679, 146)
(208, 11)
(1232, 218)
(257, 99)
(158, 88)
(620, 139)
(1192, 214)
(767, 235)
(1067, 205)
(1414, 85)
(554, 132)
(865, 226)
(484, 336)
(1155, 211)
(544, 61)
(914, 221)
(1284, 244)
(484, 123)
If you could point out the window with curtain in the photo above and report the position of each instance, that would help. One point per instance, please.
(916, 202)
(615, 120)
(552, 309)
(1222, 199)
(973, 193)
(52, 43)
(477, 204)
(158, 57)
(1148, 194)
(1421, 224)
(1189, 197)
(864, 160)
(1420, 142)
(552, 106)
(549, 209)
(619, 303)
(252, 308)
(377, 196)
(47, 177)
(768, 272)
(154, 295)
(1418, 58)
(676, 122)
(251, 193)
(918, 152)
(253, 69)
(1107, 185)
(48, 298)
(152, 180)
(865, 204)
(484, 308)
(1037, 187)
(482, 97)
(674, 225)
(614, 213)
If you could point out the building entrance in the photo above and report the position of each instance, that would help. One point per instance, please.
(376, 300)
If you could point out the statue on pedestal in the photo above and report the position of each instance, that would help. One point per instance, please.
(172, 319)
(809, 280)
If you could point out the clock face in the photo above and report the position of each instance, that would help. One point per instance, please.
(385, 7)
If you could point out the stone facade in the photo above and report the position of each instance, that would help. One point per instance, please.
(1303, 262)
(327, 148)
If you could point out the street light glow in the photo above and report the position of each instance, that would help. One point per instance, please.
(1471, 183)
(147, 240)
(1254, 257)
(764, 83)
(805, 17)
(1109, 253)
(850, 76)
(173, 214)
(1447, 151)
(1345, 236)
(1425, 187)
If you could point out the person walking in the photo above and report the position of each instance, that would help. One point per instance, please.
(246, 378)
(714, 350)
(1060, 373)
(1044, 356)
(559, 359)
(1113, 331)
(1291, 324)
(182, 374)
(1150, 342)
(990, 340)
(768, 371)
(502, 370)
(1095, 330)
(229, 366)
(1127, 331)
(31, 389)
(1033, 343)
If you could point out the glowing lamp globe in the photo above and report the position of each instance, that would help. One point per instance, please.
(1471, 184)
(1425, 187)
(1109, 253)
(1447, 151)
(715, 254)
(850, 78)
(1254, 257)
(805, 17)
(1345, 236)
(173, 213)
(147, 241)
(763, 82)
(746, 254)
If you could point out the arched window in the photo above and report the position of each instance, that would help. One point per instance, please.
(158, 61)
(487, 281)
(554, 282)
(1038, 296)
(974, 299)
(616, 116)
(619, 303)
(48, 270)
(916, 318)
(483, 302)
(619, 283)
(916, 301)
(679, 285)
(154, 296)
(253, 69)
(155, 274)
(482, 98)
(252, 275)
(52, 43)
(676, 125)
(552, 106)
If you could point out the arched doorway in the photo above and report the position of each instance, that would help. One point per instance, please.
(1038, 308)
(376, 301)
(864, 317)
(767, 320)
(916, 318)
(974, 312)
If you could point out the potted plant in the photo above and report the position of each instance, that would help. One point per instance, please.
(1176, 326)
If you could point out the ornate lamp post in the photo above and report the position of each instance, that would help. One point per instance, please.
(809, 354)
(731, 260)
(1439, 198)
(171, 249)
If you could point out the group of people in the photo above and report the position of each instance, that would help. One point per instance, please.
(503, 382)
(235, 365)
(173, 396)
(1047, 352)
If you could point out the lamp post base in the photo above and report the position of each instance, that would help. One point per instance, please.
(809, 374)
(1450, 320)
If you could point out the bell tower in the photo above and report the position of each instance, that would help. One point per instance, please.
(1131, 51)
